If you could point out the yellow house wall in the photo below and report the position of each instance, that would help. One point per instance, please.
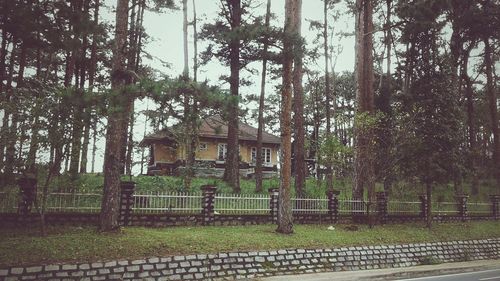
(164, 153)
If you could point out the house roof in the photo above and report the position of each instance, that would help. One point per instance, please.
(214, 127)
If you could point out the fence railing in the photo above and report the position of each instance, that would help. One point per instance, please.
(307, 205)
(352, 206)
(242, 204)
(8, 202)
(72, 202)
(444, 208)
(479, 208)
(403, 207)
(178, 202)
(184, 202)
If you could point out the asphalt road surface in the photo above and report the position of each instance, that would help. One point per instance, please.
(484, 275)
(486, 270)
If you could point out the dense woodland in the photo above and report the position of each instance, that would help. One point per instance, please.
(420, 105)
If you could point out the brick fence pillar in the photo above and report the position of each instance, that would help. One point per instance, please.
(423, 206)
(126, 201)
(382, 207)
(462, 206)
(333, 205)
(27, 185)
(495, 206)
(273, 204)
(208, 203)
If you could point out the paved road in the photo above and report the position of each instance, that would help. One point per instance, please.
(487, 270)
(484, 275)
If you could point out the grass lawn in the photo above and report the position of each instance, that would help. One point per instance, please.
(23, 246)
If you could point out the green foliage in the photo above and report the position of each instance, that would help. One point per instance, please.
(430, 120)
(334, 153)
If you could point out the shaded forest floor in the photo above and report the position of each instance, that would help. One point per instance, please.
(24, 246)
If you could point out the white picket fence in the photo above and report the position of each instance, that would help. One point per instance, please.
(242, 203)
(352, 206)
(8, 202)
(178, 202)
(403, 207)
(309, 205)
(192, 202)
(479, 208)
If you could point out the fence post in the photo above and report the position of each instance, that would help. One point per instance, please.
(126, 201)
(208, 203)
(495, 206)
(423, 206)
(273, 204)
(27, 185)
(333, 205)
(382, 206)
(462, 206)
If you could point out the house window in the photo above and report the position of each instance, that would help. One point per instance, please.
(203, 146)
(221, 151)
(266, 155)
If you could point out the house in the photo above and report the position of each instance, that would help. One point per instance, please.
(168, 157)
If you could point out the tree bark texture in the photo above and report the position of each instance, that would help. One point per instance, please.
(492, 103)
(385, 135)
(285, 216)
(329, 170)
(298, 106)
(231, 173)
(195, 44)
(10, 151)
(363, 146)
(260, 128)
(117, 125)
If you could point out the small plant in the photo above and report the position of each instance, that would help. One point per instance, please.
(466, 256)
(430, 260)
(268, 265)
(352, 227)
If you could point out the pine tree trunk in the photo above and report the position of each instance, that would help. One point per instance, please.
(92, 65)
(4, 130)
(285, 216)
(94, 144)
(386, 133)
(329, 170)
(231, 173)
(86, 140)
(113, 162)
(76, 140)
(298, 105)
(188, 122)
(261, 125)
(472, 131)
(492, 102)
(10, 151)
(363, 142)
(428, 190)
(195, 44)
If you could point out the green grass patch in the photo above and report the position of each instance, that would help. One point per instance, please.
(23, 246)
